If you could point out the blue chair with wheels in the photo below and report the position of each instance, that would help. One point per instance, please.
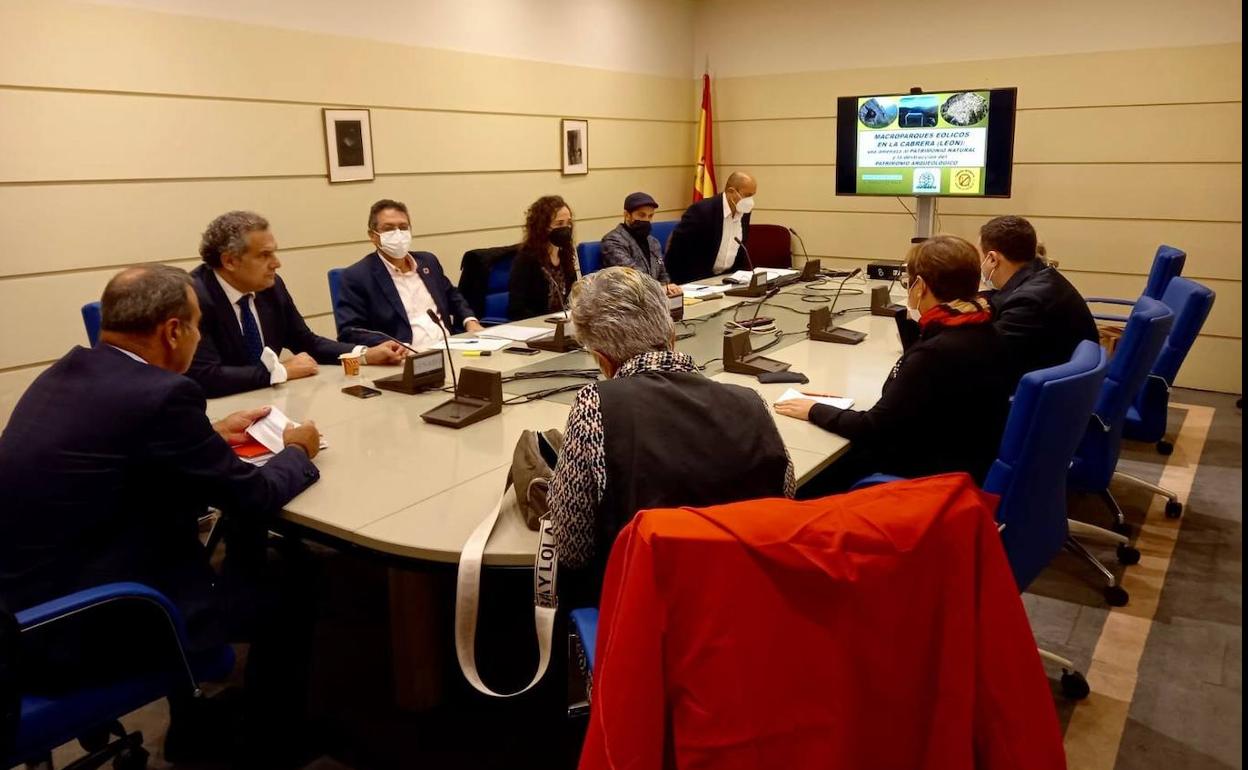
(590, 256)
(1096, 459)
(1146, 417)
(498, 293)
(1048, 418)
(91, 319)
(1167, 264)
(662, 232)
(335, 285)
(48, 721)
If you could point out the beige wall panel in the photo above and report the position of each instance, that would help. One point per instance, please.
(406, 141)
(1215, 363)
(1099, 245)
(1154, 76)
(620, 143)
(117, 49)
(1160, 191)
(1153, 134)
(137, 222)
(67, 136)
(788, 141)
(1214, 249)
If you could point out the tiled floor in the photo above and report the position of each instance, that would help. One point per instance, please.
(1166, 670)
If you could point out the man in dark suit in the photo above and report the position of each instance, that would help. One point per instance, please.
(393, 289)
(705, 242)
(1039, 313)
(106, 465)
(249, 316)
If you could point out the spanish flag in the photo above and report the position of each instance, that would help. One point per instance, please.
(704, 177)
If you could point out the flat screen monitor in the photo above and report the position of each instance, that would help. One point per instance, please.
(951, 143)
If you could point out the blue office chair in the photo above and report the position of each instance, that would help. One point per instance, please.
(335, 285)
(91, 319)
(498, 292)
(662, 232)
(1146, 417)
(46, 722)
(1167, 264)
(590, 256)
(1097, 457)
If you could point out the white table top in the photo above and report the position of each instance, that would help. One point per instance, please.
(396, 484)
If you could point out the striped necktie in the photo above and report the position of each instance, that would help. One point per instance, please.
(251, 329)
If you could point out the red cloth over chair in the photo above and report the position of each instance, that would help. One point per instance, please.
(770, 246)
(876, 629)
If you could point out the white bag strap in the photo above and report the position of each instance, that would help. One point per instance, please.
(467, 599)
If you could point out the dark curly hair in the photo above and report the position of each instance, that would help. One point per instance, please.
(537, 235)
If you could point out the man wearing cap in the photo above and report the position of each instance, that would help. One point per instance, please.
(630, 244)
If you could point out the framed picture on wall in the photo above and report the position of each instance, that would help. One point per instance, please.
(348, 145)
(574, 146)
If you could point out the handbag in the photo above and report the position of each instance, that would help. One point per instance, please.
(527, 493)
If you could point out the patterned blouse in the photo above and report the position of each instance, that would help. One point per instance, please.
(581, 475)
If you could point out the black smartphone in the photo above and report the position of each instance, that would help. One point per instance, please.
(361, 391)
(522, 351)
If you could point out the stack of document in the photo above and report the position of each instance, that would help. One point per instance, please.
(704, 291)
(794, 393)
(264, 437)
(517, 333)
(769, 274)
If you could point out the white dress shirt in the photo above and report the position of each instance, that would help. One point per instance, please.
(277, 372)
(727, 255)
(417, 302)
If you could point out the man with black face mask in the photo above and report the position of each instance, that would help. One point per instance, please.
(631, 245)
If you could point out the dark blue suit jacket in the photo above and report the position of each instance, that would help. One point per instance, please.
(221, 365)
(694, 243)
(105, 468)
(367, 299)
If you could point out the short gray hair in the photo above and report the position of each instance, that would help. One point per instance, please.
(621, 313)
(227, 234)
(139, 299)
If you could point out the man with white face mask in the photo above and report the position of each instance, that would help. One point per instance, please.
(393, 289)
(707, 242)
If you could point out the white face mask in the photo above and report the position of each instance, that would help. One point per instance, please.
(745, 205)
(913, 313)
(395, 243)
(987, 278)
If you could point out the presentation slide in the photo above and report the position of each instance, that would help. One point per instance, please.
(923, 144)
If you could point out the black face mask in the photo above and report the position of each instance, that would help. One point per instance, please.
(640, 228)
(561, 237)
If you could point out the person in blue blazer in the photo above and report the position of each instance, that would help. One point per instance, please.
(106, 465)
(392, 289)
(249, 316)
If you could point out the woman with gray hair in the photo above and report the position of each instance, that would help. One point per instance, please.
(654, 434)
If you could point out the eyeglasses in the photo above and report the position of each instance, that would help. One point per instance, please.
(391, 228)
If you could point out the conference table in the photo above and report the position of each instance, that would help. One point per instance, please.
(413, 491)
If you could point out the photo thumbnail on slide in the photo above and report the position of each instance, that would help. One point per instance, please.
(923, 144)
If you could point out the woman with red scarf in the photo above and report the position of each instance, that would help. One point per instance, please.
(944, 405)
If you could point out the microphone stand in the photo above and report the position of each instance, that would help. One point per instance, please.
(823, 328)
(422, 370)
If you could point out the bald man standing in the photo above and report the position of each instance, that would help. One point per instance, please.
(707, 241)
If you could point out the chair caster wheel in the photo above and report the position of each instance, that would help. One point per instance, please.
(1122, 528)
(133, 758)
(1128, 555)
(1116, 596)
(1165, 448)
(1074, 686)
(1174, 509)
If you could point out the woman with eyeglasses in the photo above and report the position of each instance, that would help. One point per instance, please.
(545, 267)
(944, 405)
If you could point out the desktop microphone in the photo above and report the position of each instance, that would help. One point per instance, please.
(379, 334)
(855, 271)
(805, 255)
(450, 359)
(748, 260)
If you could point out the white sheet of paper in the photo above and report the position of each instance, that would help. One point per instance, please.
(268, 431)
(478, 343)
(704, 291)
(518, 333)
(768, 273)
(839, 403)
